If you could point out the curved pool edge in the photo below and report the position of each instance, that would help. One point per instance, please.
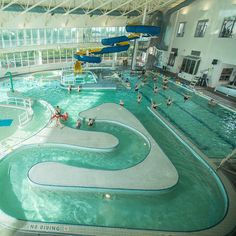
(153, 173)
(70, 136)
(226, 225)
(222, 228)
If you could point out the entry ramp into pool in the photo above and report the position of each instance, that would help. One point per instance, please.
(69, 136)
(156, 172)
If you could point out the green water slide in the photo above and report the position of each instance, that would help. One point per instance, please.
(8, 73)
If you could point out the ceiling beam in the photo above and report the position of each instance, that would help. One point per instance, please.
(54, 8)
(75, 8)
(8, 5)
(33, 6)
(119, 6)
(135, 8)
(96, 8)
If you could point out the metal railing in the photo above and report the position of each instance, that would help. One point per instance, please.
(26, 104)
(10, 143)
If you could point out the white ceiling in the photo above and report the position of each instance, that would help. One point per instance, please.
(121, 8)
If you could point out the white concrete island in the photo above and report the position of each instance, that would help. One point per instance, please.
(155, 172)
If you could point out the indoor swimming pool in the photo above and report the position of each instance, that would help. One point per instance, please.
(211, 129)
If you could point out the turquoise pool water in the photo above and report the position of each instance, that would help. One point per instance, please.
(46, 74)
(141, 211)
(86, 77)
(211, 129)
(174, 211)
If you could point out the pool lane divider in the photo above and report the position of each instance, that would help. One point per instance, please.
(201, 122)
(199, 94)
(191, 147)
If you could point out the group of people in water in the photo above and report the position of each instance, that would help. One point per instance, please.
(69, 88)
(165, 86)
(58, 117)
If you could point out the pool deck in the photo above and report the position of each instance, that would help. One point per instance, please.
(156, 172)
(74, 137)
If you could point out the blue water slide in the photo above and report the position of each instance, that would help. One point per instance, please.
(144, 29)
(113, 40)
(113, 49)
(90, 59)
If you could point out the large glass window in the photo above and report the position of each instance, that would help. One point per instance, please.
(20, 37)
(227, 29)
(6, 38)
(190, 65)
(74, 35)
(50, 56)
(42, 36)
(67, 33)
(63, 54)
(69, 53)
(1, 40)
(226, 73)
(35, 36)
(25, 60)
(18, 59)
(13, 35)
(55, 35)
(173, 55)
(201, 28)
(48, 36)
(57, 55)
(28, 36)
(31, 57)
(180, 32)
(44, 57)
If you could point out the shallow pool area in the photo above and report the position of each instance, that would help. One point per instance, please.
(211, 130)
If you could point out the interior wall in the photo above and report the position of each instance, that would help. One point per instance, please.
(211, 46)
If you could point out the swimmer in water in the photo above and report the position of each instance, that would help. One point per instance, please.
(78, 124)
(155, 89)
(154, 105)
(186, 97)
(169, 101)
(91, 122)
(136, 87)
(212, 103)
(139, 98)
(69, 89)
